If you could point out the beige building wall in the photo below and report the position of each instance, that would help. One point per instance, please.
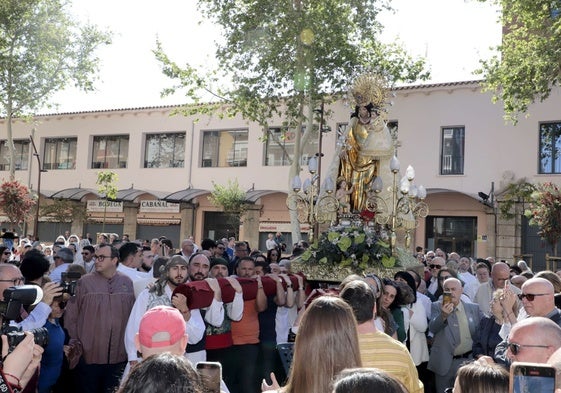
(495, 152)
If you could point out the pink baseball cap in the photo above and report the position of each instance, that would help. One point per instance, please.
(161, 326)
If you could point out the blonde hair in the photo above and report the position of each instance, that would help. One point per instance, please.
(326, 344)
(552, 278)
(497, 298)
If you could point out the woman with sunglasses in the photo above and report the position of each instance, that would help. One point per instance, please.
(444, 274)
(5, 254)
(273, 256)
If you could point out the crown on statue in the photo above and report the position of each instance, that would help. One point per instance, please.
(369, 88)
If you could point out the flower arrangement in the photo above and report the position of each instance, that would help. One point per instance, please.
(349, 247)
(545, 211)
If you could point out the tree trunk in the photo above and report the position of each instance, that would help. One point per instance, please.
(295, 171)
(11, 147)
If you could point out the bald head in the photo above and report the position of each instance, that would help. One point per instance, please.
(500, 274)
(537, 337)
(543, 301)
(518, 280)
(453, 286)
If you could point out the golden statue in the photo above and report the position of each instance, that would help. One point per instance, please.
(368, 139)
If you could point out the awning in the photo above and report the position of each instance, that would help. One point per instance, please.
(73, 194)
(186, 195)
(253, 196)
(131, 194)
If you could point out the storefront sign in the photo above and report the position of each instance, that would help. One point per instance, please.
(275, 227)
(156, 206)
(98, 205)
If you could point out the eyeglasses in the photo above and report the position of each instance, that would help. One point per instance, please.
(14, 281)
(101, 257)
(57, 257)
(515, 348)
(435, 266)
(449, 390)
(530, 296)
(442, 278)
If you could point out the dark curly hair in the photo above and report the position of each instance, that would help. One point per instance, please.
(163, 373)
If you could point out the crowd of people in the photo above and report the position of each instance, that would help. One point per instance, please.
(117, 322)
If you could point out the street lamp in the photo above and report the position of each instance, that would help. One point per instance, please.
(40, 170)
(402, 208)
(314, 205)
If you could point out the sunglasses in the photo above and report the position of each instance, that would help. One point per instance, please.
(435, 266)
(515, 348)
(530, 296)
(7, 253)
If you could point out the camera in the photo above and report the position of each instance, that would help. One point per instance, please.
(16, 335)
(68, 282)
(10, 309)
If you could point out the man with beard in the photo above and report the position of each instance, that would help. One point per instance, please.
(245, 334)
(161, 295)
(198, 269)
(219, 339)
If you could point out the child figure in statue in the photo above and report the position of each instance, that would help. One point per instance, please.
(342, 195)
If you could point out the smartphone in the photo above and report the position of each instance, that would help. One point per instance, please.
(531, 378)
(211, 375)
(446, 298)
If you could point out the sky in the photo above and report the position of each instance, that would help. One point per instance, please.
(452, 34)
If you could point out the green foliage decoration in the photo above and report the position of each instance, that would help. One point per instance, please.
(349, 247)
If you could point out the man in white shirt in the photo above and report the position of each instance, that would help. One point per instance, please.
(435, 265)
(130, 255)
(470, 282)
(63, 258)
(88, 261)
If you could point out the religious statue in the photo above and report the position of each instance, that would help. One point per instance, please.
(368, 139)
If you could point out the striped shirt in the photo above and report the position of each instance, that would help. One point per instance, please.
(381, 351)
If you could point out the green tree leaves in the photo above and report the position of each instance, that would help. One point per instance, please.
(528, 63)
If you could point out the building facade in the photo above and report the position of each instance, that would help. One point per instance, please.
(452, 133)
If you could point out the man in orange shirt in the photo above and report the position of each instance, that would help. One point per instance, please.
(245, 334)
